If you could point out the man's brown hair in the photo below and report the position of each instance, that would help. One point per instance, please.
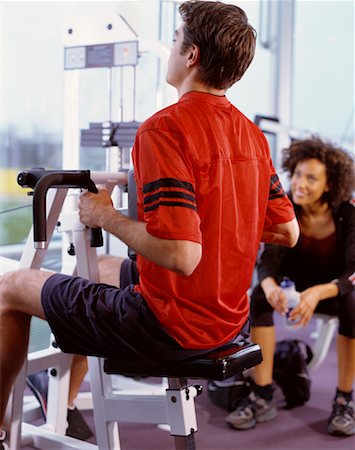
(225, 38)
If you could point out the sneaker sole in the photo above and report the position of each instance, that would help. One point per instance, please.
(271, 415)
(336, 432)
(242, 426)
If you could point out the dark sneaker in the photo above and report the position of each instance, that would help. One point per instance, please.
(341, 421)
(38, 383)
(3, 443)
(250, 411)
(77, 427)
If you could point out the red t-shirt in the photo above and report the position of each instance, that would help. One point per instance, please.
(204, 174)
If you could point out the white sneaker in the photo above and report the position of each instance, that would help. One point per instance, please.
(3, 444)
(342, 421)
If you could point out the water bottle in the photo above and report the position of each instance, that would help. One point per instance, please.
(293, 298)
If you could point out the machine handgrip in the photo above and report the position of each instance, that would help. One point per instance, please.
(96, 238)
(41, 180)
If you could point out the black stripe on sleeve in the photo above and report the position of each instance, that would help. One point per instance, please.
(167, 203)
(272, 197)
(172, 194)
(276, 189)
(167, 182)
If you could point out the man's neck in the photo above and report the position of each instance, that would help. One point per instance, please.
(199, 87)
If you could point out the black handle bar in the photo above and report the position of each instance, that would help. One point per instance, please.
(40, 180)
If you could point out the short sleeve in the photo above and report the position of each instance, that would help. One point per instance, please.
(279, 208)
(165, 186)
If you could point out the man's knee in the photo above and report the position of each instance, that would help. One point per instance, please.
(109, 269)
(21, 291)
(106, 259)
(7, 287)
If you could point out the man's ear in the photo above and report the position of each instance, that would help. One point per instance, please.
(193, 56)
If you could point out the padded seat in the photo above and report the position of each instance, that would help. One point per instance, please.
(175, 407)
(219, 364)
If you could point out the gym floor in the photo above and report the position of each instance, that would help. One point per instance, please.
(301, 428)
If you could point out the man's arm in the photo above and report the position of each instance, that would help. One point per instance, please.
(286, 234)
(180, 256)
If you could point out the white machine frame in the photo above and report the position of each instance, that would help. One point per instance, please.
(95, 31)
(157, 404)
(52, 357)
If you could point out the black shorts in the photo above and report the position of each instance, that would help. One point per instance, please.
(97, 319)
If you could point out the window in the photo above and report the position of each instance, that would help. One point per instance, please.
(323, 75)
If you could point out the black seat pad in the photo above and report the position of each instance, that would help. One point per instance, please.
(219, 364)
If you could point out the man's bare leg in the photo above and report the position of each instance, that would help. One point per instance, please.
(78, 370)
(110, 268)
(20, 299)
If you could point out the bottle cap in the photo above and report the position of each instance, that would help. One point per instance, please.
(286, 283)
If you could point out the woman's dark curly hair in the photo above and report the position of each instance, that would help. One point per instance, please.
(339, 166)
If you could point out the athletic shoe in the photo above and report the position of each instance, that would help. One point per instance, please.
(3, 443)
(341, 421)
(78, 428)
(250, 411)
(38, 383)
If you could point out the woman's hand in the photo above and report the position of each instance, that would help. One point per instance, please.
(309, 300)
(274, 295)
(94, 207)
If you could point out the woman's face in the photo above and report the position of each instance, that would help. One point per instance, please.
(308, 182)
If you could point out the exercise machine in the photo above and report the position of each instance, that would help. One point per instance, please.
(46, 215)
(173, 406)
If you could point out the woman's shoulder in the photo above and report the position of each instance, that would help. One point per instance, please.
(349, 205)
(346, 210)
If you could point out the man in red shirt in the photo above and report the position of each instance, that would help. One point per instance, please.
(207, 195)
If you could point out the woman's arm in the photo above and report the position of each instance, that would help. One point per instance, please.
(346, 240)
(270, 261)
(274, 295)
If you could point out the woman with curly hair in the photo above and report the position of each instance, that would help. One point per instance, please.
(322, 265)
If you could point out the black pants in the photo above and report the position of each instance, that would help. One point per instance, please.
(343, 306)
